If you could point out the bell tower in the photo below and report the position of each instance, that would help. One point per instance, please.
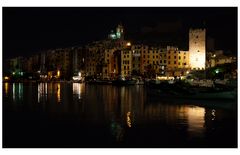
(120, 32)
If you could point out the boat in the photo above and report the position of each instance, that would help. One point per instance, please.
(100, 82)
(124, 82)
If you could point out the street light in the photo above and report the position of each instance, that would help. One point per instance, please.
(128, 44)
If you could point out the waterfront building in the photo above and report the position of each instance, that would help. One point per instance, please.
(197, 49)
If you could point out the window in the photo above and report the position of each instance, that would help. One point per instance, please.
(152, 51)
(175, 57)
(153, 57)
(184, 57)
(127, 56)
(124, 56)
(196, 36)
(175, 62)
(179, 57)
(164, 61)
(124, 67)
(143, 56)
(168, 57)
(153, 62)
(169, 62)
(107, 55)
(175, 51)
(156, 56)
(148, 56)
(198, 51)
(127, 67)
(160, 61)
(179, 63)
(148, 61)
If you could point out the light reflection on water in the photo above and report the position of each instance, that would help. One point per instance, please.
(58, 93)
(17, 92)
(123, 108)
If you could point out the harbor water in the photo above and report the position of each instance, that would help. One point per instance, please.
(78, 115)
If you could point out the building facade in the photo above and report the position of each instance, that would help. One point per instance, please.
(197, 48)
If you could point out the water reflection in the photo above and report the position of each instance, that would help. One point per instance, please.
(196, 121)
(17, 91)
(42, 92)
(129, 120)
(58, 93)
(126, 112)
(77, 89)
(6, 88)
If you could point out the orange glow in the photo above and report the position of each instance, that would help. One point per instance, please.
(58, 73)
(129, 120)
(6, 88)
(58, 92)
(128, 44)
(6, 78)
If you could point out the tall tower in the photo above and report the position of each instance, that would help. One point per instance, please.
(197, 48)
(120, 32)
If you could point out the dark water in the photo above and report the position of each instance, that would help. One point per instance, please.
(79, 115)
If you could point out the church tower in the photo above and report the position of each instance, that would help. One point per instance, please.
(197, 48)
(120, 32)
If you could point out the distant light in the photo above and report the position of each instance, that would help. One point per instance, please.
(187, 72)
(58, 73)
(6, 78)
(13, 73)
(216, 71)
(79, 74)
(214, 55)
(39, 71)
(128, 44)
(75, 78)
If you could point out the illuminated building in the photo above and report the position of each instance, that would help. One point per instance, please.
(177, 62)
(197, 48)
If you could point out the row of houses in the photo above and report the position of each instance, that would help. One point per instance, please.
(116, 56)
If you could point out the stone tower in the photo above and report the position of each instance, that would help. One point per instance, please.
(197, 48)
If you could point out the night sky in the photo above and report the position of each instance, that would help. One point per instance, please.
(27, 31)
